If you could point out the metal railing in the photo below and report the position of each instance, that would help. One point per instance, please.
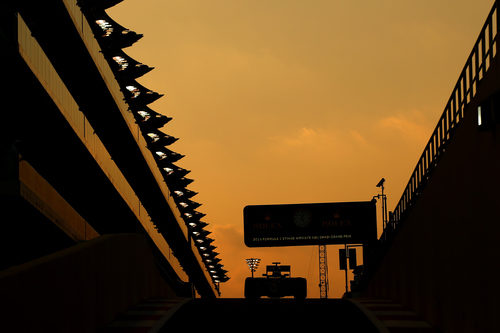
(477, 65)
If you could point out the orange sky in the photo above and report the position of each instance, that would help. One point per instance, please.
(293, 101)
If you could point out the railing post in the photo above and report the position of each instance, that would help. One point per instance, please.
(441, 134)
(490, 38)
(483, 56)
(449, 121)
(470, 92)
(464, 91)
(476, 61)
(498, 27)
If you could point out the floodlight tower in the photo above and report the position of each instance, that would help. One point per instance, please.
(253, 264)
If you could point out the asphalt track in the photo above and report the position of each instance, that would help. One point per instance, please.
(269, 315)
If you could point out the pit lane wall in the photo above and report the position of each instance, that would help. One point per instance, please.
(82, 288)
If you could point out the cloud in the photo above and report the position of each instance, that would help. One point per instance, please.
(306, 137)
(411, 126)
(358, 138)
(320, 141)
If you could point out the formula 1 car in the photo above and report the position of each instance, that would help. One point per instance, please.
(276, 283)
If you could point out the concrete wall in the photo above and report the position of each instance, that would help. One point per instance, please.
(36, 190)
(81, 288)
(444, 260)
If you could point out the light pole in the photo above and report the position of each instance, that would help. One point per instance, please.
(253, 263)
(384, 204)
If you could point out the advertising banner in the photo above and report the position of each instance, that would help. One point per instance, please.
(310, 224)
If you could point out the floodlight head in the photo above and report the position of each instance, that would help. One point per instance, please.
(381, 182)
(253, 263)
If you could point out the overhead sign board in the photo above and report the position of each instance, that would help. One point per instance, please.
(310, 224)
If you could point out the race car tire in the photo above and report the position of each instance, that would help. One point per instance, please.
(251, 290)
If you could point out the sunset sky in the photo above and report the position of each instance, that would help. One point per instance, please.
(294, 101)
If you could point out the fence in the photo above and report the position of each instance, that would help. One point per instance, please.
(477, 65)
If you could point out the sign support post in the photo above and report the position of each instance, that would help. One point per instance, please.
(346, 269)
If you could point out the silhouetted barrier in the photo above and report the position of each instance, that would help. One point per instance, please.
(436, 253)
(82, 288)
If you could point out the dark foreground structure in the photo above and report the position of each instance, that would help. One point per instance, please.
(96, 215)
(271, 315)
(440, 251)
